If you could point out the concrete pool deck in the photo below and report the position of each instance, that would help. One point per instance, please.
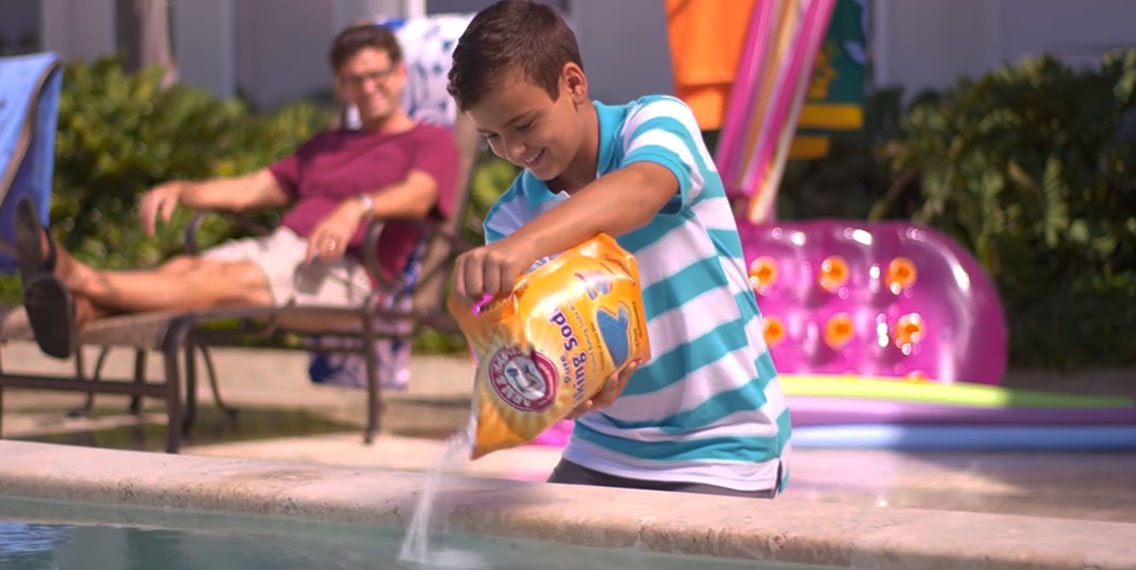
(788, 529)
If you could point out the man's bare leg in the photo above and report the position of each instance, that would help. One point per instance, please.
(182, 284)
(61, 294)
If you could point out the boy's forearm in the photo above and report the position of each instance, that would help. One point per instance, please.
(615, 204)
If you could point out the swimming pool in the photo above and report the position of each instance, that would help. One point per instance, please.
(41, 535)
(276, 514)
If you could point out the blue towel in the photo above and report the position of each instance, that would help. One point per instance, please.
(29, 107)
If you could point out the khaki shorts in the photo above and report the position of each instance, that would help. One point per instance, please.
(293, 281)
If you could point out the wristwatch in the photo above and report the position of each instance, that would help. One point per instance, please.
(368, 204)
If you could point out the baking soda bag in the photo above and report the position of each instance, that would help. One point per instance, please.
(552, 343)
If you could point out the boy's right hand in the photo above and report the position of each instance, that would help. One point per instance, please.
(160, 200)
(491, 269)
(612, 389)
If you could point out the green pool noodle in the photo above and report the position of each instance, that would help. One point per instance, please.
(958, 394)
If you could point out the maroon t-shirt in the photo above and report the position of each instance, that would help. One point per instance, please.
(337, 165)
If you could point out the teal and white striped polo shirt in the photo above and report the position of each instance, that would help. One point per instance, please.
(708, 406)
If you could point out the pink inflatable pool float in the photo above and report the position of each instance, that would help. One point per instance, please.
(888, 299)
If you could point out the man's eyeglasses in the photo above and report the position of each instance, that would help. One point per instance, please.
(359, 80)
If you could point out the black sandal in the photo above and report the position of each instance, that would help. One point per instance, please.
(29, 251)
(51, 314)
(50, 306)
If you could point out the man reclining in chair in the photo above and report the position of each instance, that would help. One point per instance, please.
(391, 168)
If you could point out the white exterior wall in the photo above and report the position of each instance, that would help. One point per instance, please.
(275, 50)
(928, 43)
(78, 30)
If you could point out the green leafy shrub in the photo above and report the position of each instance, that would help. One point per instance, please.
(1031, 167)
(120, 134)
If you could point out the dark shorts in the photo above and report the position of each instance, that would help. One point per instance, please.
(570, 473)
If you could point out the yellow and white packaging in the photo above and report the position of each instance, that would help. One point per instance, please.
(553, 342)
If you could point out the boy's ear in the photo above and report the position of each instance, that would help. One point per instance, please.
(576, 82)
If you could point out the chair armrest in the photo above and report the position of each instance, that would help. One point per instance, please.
(194, 226)
(371, 259)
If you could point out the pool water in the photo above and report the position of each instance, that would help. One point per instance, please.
(43, 535)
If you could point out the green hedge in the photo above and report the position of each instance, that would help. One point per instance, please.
(1031, 167)
(121, 134)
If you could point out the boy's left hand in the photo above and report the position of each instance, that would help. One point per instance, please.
(607, 396)
(491, 269)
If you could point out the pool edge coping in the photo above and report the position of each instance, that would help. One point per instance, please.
(784, 530)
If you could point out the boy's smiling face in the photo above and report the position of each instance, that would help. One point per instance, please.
(525, 126)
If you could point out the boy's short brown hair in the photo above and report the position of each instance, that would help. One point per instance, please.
(511, 35)
(360, 37)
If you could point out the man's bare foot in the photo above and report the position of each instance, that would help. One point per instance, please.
(86, 311)
(70, 271)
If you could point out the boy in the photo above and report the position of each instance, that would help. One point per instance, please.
(706, 414)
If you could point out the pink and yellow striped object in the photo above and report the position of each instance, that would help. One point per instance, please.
(766, 99)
